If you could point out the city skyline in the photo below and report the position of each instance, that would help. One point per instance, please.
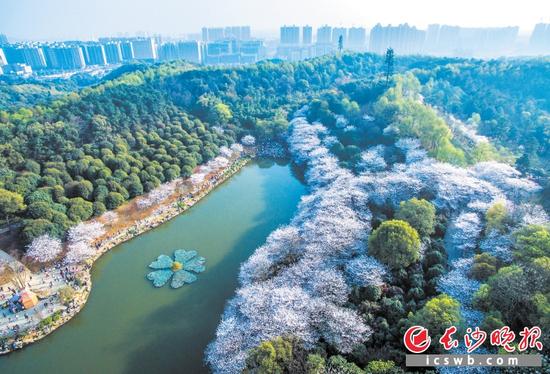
(65, 20)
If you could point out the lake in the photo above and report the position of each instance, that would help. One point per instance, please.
(127, 325)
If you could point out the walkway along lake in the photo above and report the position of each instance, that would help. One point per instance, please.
(127, 326)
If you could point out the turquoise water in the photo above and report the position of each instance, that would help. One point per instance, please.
(128, 326)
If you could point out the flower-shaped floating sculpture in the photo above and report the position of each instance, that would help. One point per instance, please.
(180, 269)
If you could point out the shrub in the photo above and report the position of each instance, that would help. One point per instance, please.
(419, 213)
(395, 243)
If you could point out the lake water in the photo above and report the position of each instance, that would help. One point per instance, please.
(128, 326)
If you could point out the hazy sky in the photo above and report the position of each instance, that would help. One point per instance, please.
(63, 19)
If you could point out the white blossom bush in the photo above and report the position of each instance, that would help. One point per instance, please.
(236, 148)
(365, 270)
(85, 231)
(157, 195)
(506, 178)
(457, 284)
(248, 140)
(462, 235)
(80, 241)
(109, 217)
(226, 152)
(373, 159)
(218, 163)
(44, 249)
(498, 245)
(197, 178)
(412, 148)
(79, 252)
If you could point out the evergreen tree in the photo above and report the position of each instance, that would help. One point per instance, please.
(389, 64)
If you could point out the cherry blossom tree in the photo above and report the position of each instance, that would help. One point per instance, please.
(80, 241)
(44, 249)
(248, 140)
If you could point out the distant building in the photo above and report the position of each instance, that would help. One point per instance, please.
(290, 35)
(251, 51)
(14, 55)
(183, 50)
(144, 49)
(70, 57)
(539, 42)
(113, 53)
(29, 54)
(404, 39)
(212, 34)
(357, 38)
(307, 35)
(445, 40)
(127, 50)
(324, 35)
(338, 32)
(237, 33)
(64, 56)
(20, 70)
(94, 54)
(3, 39)
(246, 34)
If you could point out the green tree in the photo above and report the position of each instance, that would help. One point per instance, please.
(437, 314)
(10, 203)
(315, 364)
(531, 242)
(34, 228)
(79, 209)
(382, 367)
(496, 217)
(419, 213)
(484, 266)
(338, 364)
(388, 61)
(114, 200)
(395, 243)
(272, 356)
(40, 209)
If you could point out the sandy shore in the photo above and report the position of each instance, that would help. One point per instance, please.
(162, 212)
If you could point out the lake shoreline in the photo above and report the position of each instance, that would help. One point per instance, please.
(169, 210)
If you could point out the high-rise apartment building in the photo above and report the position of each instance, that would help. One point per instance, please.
(445, 40)
(94, 54)
(28, 54)
(127, 50)
(3, 60)
(324, 35)
(113, 53)
(290, 35)
(339, 32)
(144, 49)
(182, 50)
(307, 35)
(539, 41)
(404, 39)
(64, 57)
(357, 38)
(212, 34)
